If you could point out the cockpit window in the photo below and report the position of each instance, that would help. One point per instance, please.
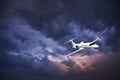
(91, 44)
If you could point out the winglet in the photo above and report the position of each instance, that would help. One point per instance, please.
(98, 38)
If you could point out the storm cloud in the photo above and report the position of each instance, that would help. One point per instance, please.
(33, 33)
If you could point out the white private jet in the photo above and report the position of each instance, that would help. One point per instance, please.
(83, 45)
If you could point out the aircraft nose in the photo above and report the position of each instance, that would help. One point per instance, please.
(97, 46)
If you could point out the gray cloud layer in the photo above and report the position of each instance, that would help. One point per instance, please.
(33, 32)
(41, 50)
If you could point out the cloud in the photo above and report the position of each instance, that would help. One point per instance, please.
(46, 54)
(27, 39)
(33, 32)
(78, 63)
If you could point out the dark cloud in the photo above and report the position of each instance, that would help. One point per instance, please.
(33, 32)
(35, 50)
(105, 68)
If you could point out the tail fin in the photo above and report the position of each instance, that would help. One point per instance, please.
(69, 41)
(72, 42)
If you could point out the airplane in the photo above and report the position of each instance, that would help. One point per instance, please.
(82, 45)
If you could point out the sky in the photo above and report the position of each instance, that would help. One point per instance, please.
(33, 33)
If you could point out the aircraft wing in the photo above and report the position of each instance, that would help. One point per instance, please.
(74, 52)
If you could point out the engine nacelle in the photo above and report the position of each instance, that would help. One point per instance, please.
(76, 46)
